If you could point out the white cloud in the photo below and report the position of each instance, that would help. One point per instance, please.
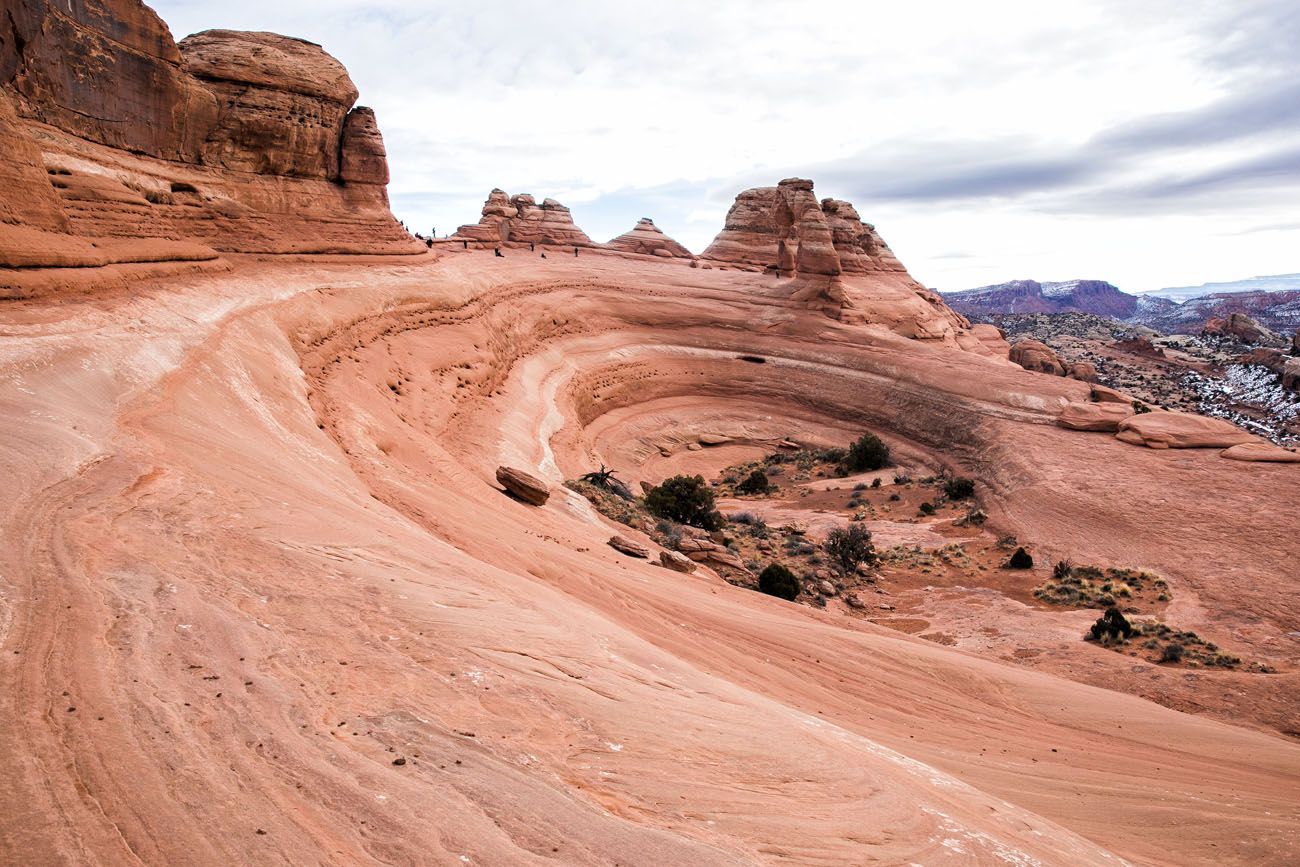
(1077, 138)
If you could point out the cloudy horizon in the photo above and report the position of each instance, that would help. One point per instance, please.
(1151, 144)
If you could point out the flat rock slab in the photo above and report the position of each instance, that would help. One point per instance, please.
(1161, 429)
(1094, 416)
(525, 486)
(624, 545)
(677, 562)
(1260, 452)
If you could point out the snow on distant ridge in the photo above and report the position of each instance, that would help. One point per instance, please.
(1273, 283)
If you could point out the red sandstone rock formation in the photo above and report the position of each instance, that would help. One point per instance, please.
(520, 220)
(786, 229)
(1038, 356)
(1238, 326)
(647, 238)
(122, 147)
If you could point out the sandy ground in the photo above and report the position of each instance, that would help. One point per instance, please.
(261, 601)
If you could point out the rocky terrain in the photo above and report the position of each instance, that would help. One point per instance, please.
(1170, 311)
(299, 564)
(1234, 370)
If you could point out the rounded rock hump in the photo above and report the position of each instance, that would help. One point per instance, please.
(648, 239)
(786, 229)
(519, 219)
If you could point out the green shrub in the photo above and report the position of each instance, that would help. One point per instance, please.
(776, 580)
(1020, 560)
(927, 508)
(755, 483)
(868, 453)
(1112, 626)
(686, 500)
(875, 483)
(959, 488)
(1173, 652)
(849, 547)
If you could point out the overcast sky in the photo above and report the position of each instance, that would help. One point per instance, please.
(1146, 142)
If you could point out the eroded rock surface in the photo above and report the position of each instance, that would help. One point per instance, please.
(519, 219)
(241, 142)
(648, 239)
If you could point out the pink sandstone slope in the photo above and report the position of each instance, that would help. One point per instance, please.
(256, 540)
(263, 600)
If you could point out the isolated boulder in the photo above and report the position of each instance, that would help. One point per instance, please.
(1084, 371)
(1037, 356)
(624, 545)
(525, 486)
(677, 562)
(1240, 327)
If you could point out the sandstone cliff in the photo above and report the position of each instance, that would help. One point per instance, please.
(123, 146)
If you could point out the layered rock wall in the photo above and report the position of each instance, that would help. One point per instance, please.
(242, 142)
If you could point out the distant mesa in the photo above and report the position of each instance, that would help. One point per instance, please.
(1029, 296)
(648, 239)
(1276, 308)
(519, 219)
(785, 229)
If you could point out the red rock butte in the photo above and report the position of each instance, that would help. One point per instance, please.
(290, 573)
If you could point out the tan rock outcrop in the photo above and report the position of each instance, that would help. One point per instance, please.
(1238, 326)
(677, 562)
(519, 219)
(859, 246)
(1261, 452)
(1084, 371)
(1037, 356)
(1080, 415)
(1162, 429)
(648, 239)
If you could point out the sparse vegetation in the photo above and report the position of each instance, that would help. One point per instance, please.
(927, 508)
(849, 547)
(755, 483)
(869, 452)
(776, 580)
(1091, 587)
(1162, 643)
(1020, 560)
(959, 488)
(686, 500)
